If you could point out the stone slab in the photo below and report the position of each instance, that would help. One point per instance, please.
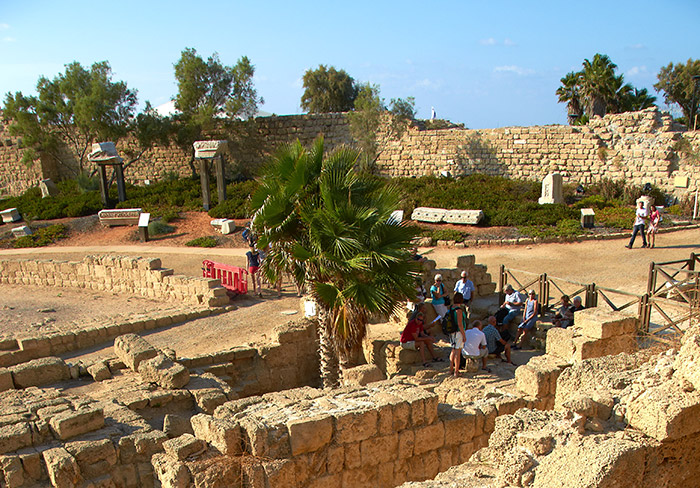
(602, 324)
(62, 468)
(428, 214)
(469, 217)
(105, 152)
(122, 216)
(588, 348)
(132, 349)
(223, 435)
(42, 371)
(164, 372)
(587, 218)
(209, 149)
(72, 423)
(48, 188)
(22, 231)
(184, 446)
(362, 375)
(538, 378)
(228, 227)
(552, 189)
(310, 434)
(560, 343)
(666, 412)
(10, 215)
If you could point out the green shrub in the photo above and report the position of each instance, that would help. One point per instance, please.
(237, 204)
(617, 217)
(595, 201)
(158, 228)
(563, 228)
(208, 241)
(168, 215)
(447, 235)
(42, 236)
(69, 202)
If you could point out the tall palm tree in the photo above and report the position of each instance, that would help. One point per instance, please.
(598, 84)
(570, 93)
(330, 227)
(638, 100)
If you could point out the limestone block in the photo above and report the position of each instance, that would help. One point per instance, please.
(164, 372)
(537, 443)
(538, 378)
(459, 426)
(208, 399)
(310, 434)
(6, 382)
(132, 349)
(362, 375)
(687, 363)
(428, 214)
(279, 472)
(39, 372)
(601, 324)
(355, 426)
(68, 424)
(228, 227)
(99, 371)
(587, 218)
(429, 438)
(94, 458)
(21, 231)
(10, 215)
(184, 446)
(48, 188)
(560, 343)
(221, 434)
(587, 348)
(170, 472)
(665, 412)
(14, 437)
(466, 262)
(465, 217)
(378, 450)
(11, 471)
(62, 468)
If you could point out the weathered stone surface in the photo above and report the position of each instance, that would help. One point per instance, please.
(48, 188)
(10, 215)
(428, 214)
(116, 217)
(687, 363)
(132, 349)
(355, 426)
(602, 324)
(184, 446)
(62, 468)
(39, 372)
(560, 343)
(552, 189)
(310, 434)
(361, 375)
(176, 425)
(665, 412)
(223, 435)
(104, 151)
(11, 471)
(6, 382)
(470, 217)
(170, 472)
(15, 436)
(71, 423)
(538, 378)
(99, 371)
(95, 458)
(21, 231)
(587, 348)
(164, 372)
(209, 149)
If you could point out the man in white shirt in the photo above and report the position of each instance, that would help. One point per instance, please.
(639, 218)
(513, 303)
(465, 287)
(475, 346)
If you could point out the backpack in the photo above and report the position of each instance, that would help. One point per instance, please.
(449, 322)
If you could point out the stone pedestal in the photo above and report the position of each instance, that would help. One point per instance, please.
(552, 189)
(587, 218)
(214, 151)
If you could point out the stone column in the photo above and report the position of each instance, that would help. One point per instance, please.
(211, 150)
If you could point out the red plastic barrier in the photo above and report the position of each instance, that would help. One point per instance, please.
(232, 278)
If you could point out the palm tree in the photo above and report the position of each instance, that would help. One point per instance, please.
(598, 84)
(638, 100)
(570, 93)
(329, 226)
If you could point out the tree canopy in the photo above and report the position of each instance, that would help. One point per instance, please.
(328, 90)
(597, 90)
(76, 108)
(678, 86)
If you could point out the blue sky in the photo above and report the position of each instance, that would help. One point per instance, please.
(483, 63)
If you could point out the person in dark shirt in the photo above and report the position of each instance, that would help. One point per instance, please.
(253, 259)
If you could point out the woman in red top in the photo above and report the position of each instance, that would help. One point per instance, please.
(414, 336)
(654, 219)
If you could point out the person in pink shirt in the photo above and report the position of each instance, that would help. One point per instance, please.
(654, 220)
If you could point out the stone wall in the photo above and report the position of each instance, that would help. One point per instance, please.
(137, 276)
(639, 147)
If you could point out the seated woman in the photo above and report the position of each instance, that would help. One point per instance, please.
(415, 338)
(565, 315)
(529, 319)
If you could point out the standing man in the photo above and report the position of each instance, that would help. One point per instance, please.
(640, 216)
(466, 288)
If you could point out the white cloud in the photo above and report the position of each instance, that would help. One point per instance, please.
(4, 26)
(9, 39)
(637, 70)
(509, 42)
(636, 46)
(488, 42)
(513, 69)
(427, 83)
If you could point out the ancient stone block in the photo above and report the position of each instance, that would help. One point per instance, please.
(164, 372)
(176, 425)
(587, 348)
(221, 434)
(171, 472)
(48, 188)
(15, 436)
(99, 371)
(587, 218)
(468, 217)
(601, 324)
(355, 426)
(21, 231)
(132, 349)
(665, 412)
(6, 382)
(459, 426)
(123, 216)
(361, 375)
(560, 343)
(95, 458)
(687, 363)
(62, 468)
(71, 423)
(39, 372)
(184, 446)
(11, 470)
(378, 450)
(428, 214)
(429, 438)
(310, 434)
(538, 378)
(10, 215)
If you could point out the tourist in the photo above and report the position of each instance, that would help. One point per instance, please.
(512, 305)
(253, 260)
(417, 257)
(575, 308)
(438, 294)
(475, 345)
(466, 288)
(414, 336)
(654, 220)
(529, 319)
(421, 295)
(639, 217)
(497, 339)
(565, 315)
(457, 338)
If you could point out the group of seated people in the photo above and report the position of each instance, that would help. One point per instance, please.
(476, 341)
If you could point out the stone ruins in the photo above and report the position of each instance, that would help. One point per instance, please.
(593, 411)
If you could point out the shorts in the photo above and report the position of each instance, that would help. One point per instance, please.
(253, 269)
(482, 353)
(456, 340)
(411, 345)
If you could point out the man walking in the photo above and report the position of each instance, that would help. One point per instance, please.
(640, 217)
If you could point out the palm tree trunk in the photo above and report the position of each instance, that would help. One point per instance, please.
(327, 352)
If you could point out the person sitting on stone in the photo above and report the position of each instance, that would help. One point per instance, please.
(417, 257)
(475, 346)
(513, 304)
(497, 339)
(414, 336)
(565, 315)
(575, 308)
(529, 319)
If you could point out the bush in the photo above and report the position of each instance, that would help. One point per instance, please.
(564, 228)
(617, 217)
(69, 202)
(447, 235)
(42, 236)
(158, 228)
(208, 241)
(237, 204)
(595, 201)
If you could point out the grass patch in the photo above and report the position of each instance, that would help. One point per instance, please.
(446, 235)
(208, 241)
(564, 228)
(42, 237)
(617, 217)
